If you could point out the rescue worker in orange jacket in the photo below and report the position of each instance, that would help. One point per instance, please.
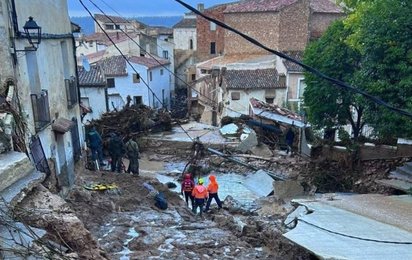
(212, 188)
(187, 187)
(200, 194)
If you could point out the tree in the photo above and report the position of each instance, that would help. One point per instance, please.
(329, 106)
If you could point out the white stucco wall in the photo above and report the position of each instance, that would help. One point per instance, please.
(97, 101)
(125, 86)
(181, 37)
(55, 63)
(168, 46)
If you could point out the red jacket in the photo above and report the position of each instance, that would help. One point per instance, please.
(187, 184)
(200, 192)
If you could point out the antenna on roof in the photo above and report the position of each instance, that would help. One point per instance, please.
(85, 62)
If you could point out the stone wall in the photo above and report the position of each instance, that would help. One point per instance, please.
(260, 26)
(319, 22)
(205, 35)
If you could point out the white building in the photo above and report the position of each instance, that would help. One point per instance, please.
(123, 81)
(185, 33)
(44, 80)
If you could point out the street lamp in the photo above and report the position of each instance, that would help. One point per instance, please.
(33, 32)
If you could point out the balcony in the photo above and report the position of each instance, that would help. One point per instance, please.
(71, 92)
(41, 110)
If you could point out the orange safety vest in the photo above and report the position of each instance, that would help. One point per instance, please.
(199, 192)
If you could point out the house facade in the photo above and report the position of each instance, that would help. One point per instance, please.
(116, 24)
(123, 81)
(43, 76)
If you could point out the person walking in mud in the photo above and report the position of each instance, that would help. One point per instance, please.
(116, 151)
(132, 152)
(187, 188)
(200, 195)
(212, 188)
(95, 142)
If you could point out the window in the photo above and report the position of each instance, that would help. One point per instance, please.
(161, 72)
(269, 100)
(111, 83)
(235, 95)
(191, 44)
(193, 77)
(166, 55)
(136, 78)
(138, 100)
(109, 26)
(90, 44)
(117, 27)
(212, 48)
(150, 76)
(163, 98)
(301, 88)
(212, 26)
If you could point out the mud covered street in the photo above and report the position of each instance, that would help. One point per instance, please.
(127, 225)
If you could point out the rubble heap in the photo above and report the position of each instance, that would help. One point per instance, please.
(133, 120)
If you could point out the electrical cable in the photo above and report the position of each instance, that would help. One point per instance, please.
(306, 67)
(355, 237)
(129, 63)
(161, 64)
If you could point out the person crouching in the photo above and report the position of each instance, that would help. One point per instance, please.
(200, 194)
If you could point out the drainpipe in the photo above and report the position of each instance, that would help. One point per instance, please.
(14, 18)
(76, 73)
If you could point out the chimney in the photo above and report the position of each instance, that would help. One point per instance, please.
(200, 7)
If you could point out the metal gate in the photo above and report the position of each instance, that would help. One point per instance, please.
(75, 140)
(38, 156)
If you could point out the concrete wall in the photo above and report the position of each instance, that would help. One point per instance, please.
(55, 62)
(260, 26)
(181, 37)
(97, 101)
(168, 46)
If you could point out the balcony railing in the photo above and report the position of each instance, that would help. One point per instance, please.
(72, 92)
(41, 110)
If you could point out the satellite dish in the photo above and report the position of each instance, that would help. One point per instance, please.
(85, 62)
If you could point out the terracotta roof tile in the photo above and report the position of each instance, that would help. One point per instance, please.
(94, 77)
(293, 67)
(273, 108)
(149, 61)
(186, 23)
(117, 37)
(113, 66)
(252, 79)
(116, 19)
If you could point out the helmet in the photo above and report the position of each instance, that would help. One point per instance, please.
(200, 181)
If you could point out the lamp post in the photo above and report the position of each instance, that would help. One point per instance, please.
(32, 32)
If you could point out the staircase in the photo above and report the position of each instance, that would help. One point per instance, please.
(400, 179)
(17, 178)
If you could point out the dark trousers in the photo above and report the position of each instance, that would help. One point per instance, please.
(97, 153)
(198, 203)
(216, 197)
(188, 195)
(133, 165)
(116, 164)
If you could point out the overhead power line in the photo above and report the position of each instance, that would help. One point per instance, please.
(129, 63)
(306, 67)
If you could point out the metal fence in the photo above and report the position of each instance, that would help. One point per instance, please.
(41, 110)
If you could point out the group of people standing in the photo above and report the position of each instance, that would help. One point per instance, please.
(117, 149)
(199, 194)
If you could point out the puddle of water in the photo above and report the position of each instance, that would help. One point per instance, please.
(166, 179)
(125, 253)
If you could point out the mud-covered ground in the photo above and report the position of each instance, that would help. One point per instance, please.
(127, 225)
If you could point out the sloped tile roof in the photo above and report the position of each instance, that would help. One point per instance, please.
(318, 6)
(325, 6)
(149, 61)
(113, 66)
(116, 19)
(293, 67)
(94, 77)
(117, 37)
(186, 23)
(252, 79)
(275, 109)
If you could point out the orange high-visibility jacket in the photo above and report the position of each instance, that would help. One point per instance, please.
(213, 186)
(200, 192)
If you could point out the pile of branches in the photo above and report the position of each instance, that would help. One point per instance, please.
(133, 121)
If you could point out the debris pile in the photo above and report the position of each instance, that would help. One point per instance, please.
(133, 120)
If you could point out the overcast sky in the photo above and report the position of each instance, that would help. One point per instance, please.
(138, 7)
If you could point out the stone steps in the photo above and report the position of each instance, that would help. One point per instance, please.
(400, 178)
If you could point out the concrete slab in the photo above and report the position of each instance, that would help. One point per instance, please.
(13, 166)
(18, 190)
(333, 233)
(396, 184)
(260, 183)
